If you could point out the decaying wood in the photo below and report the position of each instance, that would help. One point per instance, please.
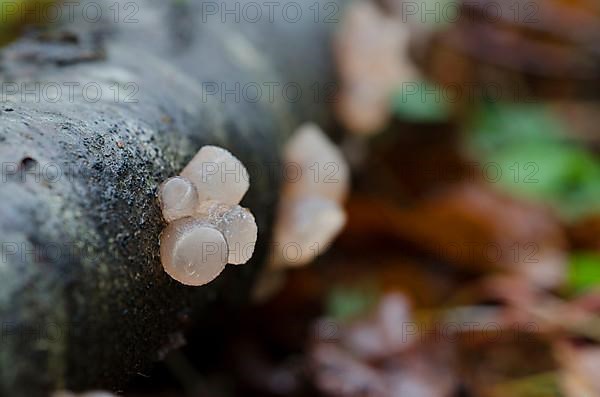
(84, 301)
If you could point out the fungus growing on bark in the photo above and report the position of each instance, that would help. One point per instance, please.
(218, 175)
(207, 228)
(237, 225)
(193, 251)
(178, 198)
(310, 213)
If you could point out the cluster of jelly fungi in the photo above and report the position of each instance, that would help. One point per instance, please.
(207, 228)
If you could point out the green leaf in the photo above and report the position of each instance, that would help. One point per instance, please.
(584, 271)
(348, 302)
(497, 125)
(421, 102)
(529, 147)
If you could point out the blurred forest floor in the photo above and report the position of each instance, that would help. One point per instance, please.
(470, 264)
(471, 261)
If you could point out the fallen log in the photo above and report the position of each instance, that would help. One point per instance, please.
(97, 111)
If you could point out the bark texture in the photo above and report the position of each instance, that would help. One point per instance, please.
(84, 301)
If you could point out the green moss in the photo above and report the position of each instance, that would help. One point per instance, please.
(530, 154)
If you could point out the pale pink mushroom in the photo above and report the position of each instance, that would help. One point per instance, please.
(217, 175)
(371, 50)
(310, 213)
(305, 228)
(192, 251)
(237, 225)
(207, 229)
(178, 198)
(322, 168)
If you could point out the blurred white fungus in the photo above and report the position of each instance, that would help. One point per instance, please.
(306, 228)
(310, 213)
(371, 50)
(324, 170)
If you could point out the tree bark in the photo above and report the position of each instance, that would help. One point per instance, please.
(84, 302)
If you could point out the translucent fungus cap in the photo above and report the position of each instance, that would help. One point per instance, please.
(217, 175)
(371, 50)
(193, 251)
(207, 228)
(308, 225)
(178, 198)
(237, 225)
(324, 171)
